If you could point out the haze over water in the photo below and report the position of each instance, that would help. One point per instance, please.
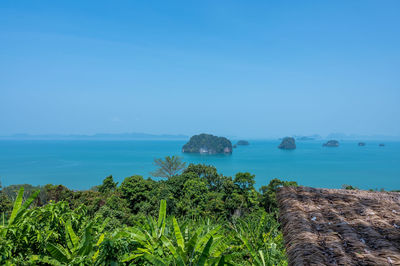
(83, 164)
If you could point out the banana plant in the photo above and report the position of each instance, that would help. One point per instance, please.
(261, 239)
(9, 229)
(199, 249)
(205, 246)
(77, 250)
(149, 237)
(19, 209)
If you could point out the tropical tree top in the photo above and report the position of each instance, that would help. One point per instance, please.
(168, 167)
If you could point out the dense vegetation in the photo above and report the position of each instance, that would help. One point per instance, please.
(205, 143)
(195, 217)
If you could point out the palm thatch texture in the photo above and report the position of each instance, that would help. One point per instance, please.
(340, 227)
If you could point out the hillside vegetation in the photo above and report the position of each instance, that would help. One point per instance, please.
(196, 217)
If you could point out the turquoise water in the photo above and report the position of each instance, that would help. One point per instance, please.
(83, 164)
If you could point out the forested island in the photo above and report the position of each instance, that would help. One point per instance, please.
(193, 216)
(288, 143)
(208, 144)
(243, 143)
(331, 143)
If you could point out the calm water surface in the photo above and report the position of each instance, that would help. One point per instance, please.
(83, 164)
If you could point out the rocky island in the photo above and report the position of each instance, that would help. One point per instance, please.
(243, 143)
(287, 143)
(207, 144)
(331, 143)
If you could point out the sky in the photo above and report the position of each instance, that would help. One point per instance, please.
(237, 68)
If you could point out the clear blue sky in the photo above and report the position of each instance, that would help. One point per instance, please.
(238, 68)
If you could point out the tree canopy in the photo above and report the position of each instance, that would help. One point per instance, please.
(108, 185)
(196, 216)
(168, 167)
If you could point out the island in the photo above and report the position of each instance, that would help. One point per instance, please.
(381, 145)
(288, 143)
(307, 138)
(207, 144)
(243, 142)
(361, 144)
(331, 143)
(304, 138)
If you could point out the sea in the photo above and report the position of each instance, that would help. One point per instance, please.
(82, 164)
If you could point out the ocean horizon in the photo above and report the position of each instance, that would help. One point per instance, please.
(82, 164)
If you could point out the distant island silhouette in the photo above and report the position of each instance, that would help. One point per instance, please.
(207, 144)
(98, 136)
(288, 143)
(242, 143)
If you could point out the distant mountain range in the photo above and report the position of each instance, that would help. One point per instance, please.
(145, 136)
(100, 136)
(342, 136)
(311, 137)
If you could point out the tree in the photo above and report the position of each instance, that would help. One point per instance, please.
(137, 191)
(244, 180)
(176, 183)
(349, 187)
(212, 226)
(168, 167)
(207, 172)
(5, 203)
(194, 200)
(108, 185)
(269, 201)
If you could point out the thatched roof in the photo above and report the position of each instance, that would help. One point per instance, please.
(340, 227)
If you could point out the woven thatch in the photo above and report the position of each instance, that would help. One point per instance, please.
(340, 227)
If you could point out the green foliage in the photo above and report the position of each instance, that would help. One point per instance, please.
(12, 191)
(108, 185)
(194, 198)
(199, 217)
(269, 193)
(137, 191)
(349, 187)
(5, 202)
(143, 195)
(19, 209)
(260, 240)
(55, 193)
(245, 181)
(168, 167)
(168, 244)
(207, 172)
(77, 250)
